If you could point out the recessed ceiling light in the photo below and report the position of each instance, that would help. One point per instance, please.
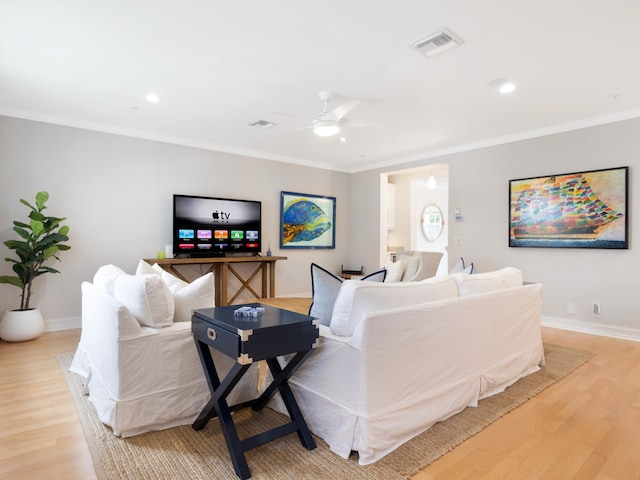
(152, 97)
(504, 85)
(507, 87)
(343, 139)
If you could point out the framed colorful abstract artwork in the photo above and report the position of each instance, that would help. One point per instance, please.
(573, 210)
(307, 221)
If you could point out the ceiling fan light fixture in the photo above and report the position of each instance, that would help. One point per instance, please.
(326, 128)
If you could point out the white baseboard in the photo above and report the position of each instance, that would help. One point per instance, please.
(592, 328)
(53, 324)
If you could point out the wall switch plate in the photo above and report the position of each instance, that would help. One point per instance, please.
(571, 308)
(457, 240)
(597, 308)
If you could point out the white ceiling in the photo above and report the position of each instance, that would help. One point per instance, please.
(220, 65)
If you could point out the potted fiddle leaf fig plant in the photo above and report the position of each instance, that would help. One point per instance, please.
(41, 238)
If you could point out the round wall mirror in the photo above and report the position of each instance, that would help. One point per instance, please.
(432, 222)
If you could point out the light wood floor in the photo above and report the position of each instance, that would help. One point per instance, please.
(585, 426)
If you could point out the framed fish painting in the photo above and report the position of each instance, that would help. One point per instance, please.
(307, 221)
(573, 210)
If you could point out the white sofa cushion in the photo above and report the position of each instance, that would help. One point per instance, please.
(355, 299)
(507, 277)
(105, 277)
(147, 297)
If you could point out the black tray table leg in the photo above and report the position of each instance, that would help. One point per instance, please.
(281, 384)
(218, 406)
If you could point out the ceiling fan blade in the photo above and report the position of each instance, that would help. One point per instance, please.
(298, 117)
(294, 130)
(347, 122)
(343, 109)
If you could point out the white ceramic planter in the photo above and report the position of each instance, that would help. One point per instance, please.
(21, 325)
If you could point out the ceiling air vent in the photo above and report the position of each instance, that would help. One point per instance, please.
(262, 124)
(437, 43)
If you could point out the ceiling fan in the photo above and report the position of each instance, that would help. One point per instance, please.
(329, 122)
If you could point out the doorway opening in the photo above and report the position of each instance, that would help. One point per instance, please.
(410, 224)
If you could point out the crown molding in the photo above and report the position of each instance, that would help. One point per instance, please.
(188, 142)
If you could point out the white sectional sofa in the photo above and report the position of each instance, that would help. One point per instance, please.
(396, 358)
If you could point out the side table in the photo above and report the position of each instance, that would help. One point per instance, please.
(271, 334)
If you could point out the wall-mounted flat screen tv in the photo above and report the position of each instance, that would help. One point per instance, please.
(210, 226)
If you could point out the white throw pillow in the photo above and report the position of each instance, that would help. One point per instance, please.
(105, 277)
(174, 283)
(458, 267)
(507, 277)
(198, 294)
(412, 266)
(394, 272)
(356, 299)
(147, 297)
(461, 267)
(144, 268)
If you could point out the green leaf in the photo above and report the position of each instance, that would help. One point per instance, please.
(50, 252)
(22, 232)
(16, 245)
(37, 227)
(11, 281)
(47, 270)
(41, 199)
(23, 201)
(37, 216)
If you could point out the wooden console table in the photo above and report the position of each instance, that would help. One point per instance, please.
(221, 266)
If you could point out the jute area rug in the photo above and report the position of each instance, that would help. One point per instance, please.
(182, 453)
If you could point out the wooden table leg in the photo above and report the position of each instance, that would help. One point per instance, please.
(272, 279)
(264, 280)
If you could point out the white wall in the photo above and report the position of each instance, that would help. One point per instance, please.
(478, 183)
(117, 194)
